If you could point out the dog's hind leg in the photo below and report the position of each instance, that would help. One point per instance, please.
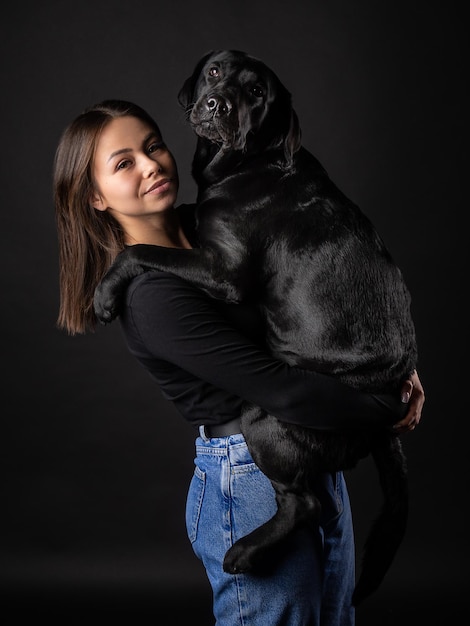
(277, 450)
(259, 548)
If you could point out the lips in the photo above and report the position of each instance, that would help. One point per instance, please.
(159, 186)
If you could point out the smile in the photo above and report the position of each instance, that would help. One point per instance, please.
(160, 186)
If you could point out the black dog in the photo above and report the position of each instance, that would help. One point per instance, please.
(273, 227)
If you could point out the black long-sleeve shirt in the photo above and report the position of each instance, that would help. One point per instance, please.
(198, 351)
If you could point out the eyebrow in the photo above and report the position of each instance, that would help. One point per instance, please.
(125, 150)
(117, 152)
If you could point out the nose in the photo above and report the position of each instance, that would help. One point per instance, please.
(150, 167)
(217, 105)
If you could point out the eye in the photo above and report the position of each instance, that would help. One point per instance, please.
(123, 164)
(155, 146)
(257, 91)
(213, 71)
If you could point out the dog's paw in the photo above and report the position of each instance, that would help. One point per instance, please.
(237, 560)
(106, 306)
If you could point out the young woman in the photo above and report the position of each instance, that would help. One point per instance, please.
(116, 184)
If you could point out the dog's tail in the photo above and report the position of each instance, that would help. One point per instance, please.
(389, 528)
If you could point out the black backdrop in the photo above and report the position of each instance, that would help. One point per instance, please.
(94, 463)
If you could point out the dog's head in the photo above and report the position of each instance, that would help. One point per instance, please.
(235, 101)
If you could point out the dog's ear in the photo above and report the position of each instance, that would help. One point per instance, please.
(282, 120)
(186, 93)
(293, 138)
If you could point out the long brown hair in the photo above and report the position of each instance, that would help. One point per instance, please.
(89, 240)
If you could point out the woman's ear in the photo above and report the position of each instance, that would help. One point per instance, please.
(97, 202)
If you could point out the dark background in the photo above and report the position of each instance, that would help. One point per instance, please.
(94, 463)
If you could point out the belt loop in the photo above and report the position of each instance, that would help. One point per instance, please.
(202, 433)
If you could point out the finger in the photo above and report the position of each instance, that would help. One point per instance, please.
(406, 391)
(407, 422)
(406, 425)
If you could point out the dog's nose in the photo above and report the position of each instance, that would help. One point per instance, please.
(218, 105)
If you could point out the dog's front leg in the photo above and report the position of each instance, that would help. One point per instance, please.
(201, 267)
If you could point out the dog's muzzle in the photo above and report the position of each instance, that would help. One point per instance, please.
(213, 117)
(216, 105)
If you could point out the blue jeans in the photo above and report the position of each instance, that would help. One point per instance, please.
(311, 584)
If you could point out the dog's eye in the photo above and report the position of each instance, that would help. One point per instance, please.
(257, 91)
(213, 71)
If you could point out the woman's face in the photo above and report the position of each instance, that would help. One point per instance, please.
(134, 173)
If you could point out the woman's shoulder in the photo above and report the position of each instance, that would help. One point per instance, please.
(158, 288)
(155, 279)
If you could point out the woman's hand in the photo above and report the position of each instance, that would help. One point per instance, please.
(413, 393)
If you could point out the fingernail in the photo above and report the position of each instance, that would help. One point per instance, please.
(405, 397)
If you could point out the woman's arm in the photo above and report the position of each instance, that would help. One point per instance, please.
(179, 324)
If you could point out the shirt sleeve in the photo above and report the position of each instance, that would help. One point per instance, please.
(178, 323)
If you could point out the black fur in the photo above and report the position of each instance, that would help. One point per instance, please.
(274, 228)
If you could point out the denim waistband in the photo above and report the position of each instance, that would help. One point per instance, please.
(232, 439)
(232, 446)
